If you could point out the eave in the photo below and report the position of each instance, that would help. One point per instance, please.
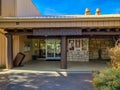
(82, 21)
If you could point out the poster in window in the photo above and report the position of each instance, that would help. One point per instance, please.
(71, 44)
(26, 46)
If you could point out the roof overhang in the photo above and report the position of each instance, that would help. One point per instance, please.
(83, 21)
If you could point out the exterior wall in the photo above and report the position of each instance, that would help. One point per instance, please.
(8, 8)
(3, 48)
(15, 45)
(19, 46)
(26, 8)
(35, 50)
(22, 41)
(20, 8)
(0, 7)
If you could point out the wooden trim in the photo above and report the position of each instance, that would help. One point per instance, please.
(101, 33)
(49, 19)
(73, 31)
(61, 24)
(57, 31)
(21, 33)
(64, 53)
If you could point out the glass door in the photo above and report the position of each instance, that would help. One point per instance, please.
(57, 49)
(50, 49)
(42, 48)
(53, 49)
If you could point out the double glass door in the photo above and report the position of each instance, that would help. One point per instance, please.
(46, 48)
(53, 49)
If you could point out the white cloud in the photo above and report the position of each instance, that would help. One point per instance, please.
(50, 11)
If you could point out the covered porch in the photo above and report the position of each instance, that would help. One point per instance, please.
(37, 65)
(68, 29)
(70, 57)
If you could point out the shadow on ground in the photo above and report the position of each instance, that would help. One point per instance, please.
(50, 81)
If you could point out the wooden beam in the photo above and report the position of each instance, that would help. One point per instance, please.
(9, 63)
(117, 29)
(57, 31)
(108, 29)
(64, 53)
(98, 29)
(101, 33)
(88, 29)
(21, 33)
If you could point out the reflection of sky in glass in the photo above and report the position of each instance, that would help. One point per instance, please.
(55, 7)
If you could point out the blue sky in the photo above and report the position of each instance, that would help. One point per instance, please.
(58, 7)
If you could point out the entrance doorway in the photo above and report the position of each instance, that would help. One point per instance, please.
(53, 49)
(48, 49)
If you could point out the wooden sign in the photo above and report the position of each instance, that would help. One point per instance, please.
(57, 32)
(18, 59)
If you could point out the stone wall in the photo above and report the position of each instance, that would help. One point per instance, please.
(78, 49)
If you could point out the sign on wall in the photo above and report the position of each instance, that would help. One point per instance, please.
(57, 31)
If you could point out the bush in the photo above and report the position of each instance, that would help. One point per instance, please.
(107, 80)
(115, 56)
(2, 66)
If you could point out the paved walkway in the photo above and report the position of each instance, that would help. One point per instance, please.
(37, 65)
(49, 81)
(42, 75)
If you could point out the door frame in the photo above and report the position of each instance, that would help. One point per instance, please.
(54, 49)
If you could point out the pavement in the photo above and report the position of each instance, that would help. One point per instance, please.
(22, 80)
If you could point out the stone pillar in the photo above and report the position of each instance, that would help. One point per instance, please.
(9, 62)
(64, 53)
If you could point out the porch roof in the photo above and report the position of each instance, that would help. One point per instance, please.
(58, 21)
(63, 18)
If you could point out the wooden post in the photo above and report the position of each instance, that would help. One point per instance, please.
(64, 53)
(9, 62)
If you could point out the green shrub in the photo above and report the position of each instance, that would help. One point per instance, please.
(115, 56)
(107, 80)
(2, 66)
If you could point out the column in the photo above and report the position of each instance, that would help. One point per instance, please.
(64, 53)
(9, 62)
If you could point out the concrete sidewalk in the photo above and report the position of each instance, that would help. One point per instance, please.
(55, 66)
